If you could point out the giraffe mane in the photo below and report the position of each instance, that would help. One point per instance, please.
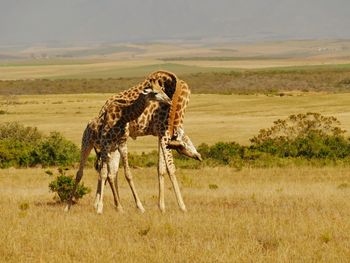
(173, 107)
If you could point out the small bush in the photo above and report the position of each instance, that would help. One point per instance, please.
(23, 206)
(325, 237)
(213, 186)
(63, 186)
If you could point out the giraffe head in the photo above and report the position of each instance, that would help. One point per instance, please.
(184, 145)
(167, 80)
(153, 91)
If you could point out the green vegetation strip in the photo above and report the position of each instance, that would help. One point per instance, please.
(268, 81)
(303, 139)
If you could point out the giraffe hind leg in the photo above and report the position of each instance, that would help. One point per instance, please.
(124, 154)
(169, 161)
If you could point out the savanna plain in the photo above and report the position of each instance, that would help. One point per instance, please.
(276, 214)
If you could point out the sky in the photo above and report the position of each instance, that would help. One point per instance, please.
(79, 21)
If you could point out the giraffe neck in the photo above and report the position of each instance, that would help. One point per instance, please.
(177, 108)
(135, 109)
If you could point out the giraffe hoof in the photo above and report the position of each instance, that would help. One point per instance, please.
(99, 209)
(183, 209)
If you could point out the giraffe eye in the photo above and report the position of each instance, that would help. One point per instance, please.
(147, 91)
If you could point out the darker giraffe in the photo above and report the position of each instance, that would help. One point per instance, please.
(112, 134)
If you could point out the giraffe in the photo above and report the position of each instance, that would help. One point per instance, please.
(167, 124)
(112, 134)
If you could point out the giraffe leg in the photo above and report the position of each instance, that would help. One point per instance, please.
(123, 149)
(84, 154)
(98, 192)
(161, 172)
(112, 178)
(103, 174)
(169, 161)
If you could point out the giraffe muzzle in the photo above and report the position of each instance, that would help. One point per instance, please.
(162, 97)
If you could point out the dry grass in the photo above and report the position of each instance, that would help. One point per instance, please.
(254, 215)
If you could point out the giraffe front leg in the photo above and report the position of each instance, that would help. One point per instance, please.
(102, 177)
(113, 178)
(123, 149)
(161, 172)
(169, 161)
(98, 192)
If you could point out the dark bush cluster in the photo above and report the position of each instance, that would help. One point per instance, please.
(22, 146)
(309, 135)
(299, 139)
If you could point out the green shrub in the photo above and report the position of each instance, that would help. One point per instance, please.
(25, 146)
(309, 135)
(56, 150)
(221, 152)
(17, 143)
(63, 186)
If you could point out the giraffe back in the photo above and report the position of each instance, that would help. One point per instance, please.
(155, 118)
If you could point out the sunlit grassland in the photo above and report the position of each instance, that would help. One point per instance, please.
(290, 214)
(253, 215)
(209, 117)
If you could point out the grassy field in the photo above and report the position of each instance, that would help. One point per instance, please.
(254, 215)
(293, 214)
(209, 118)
